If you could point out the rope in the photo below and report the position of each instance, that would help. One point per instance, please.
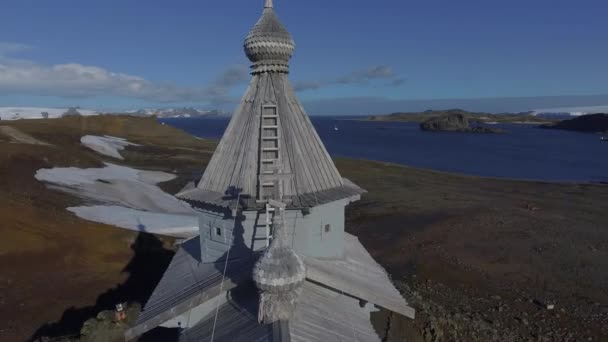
(217, 303)
(238, 201)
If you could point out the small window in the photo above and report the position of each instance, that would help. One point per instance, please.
(327, 228)
(218, 231)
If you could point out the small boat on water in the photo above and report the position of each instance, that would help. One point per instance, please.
(336, 128)
(604, 139)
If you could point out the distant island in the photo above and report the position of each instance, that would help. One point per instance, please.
(592, 123)
(455, 122)
(472, 117)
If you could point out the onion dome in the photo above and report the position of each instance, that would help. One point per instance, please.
(269, 45)
(279, 275)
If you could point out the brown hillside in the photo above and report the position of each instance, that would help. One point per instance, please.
(477, 257)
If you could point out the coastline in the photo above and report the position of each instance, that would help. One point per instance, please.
(435, 232)
(486, 123)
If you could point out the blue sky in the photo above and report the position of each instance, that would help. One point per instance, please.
(351, 56)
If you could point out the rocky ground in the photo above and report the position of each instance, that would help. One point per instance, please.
(480, 259)
(486, 259)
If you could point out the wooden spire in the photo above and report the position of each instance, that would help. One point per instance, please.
(270, 146)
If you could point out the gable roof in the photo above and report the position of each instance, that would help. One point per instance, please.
(358, 275)
(326, 315)
(321, 315)
(236, 322)
(188, 283)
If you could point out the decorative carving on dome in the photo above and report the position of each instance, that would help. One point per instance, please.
(279, 275)
(269, 46)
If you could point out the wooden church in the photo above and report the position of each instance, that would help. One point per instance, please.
(272, 261)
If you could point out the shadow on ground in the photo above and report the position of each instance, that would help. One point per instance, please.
(145, 270)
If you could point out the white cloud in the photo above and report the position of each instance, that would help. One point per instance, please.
(76, 80)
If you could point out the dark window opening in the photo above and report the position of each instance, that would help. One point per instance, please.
(218, 231)
(327, 228)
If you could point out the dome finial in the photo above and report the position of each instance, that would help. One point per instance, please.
(269, 45)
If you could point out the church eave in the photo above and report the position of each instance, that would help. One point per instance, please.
(208, 199)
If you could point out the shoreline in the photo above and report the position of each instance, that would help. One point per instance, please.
(435, 232)
(543, 167)
(464, 175)
(485, 123)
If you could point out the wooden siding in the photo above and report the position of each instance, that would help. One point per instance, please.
(235, 165)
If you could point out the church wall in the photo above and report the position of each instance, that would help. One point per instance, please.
(320, 233)
(218, 233)
(317, 233)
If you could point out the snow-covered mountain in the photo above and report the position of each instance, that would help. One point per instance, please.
(570, 111)
(185, 112)
(16, 113)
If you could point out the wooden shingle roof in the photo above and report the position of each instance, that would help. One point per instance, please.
(235, 166)
(188, 283)
(321, 315)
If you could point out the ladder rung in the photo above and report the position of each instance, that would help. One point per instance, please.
(272, 116)
(268, 160)
(270, 138)
(277, 204)
(268, 184)
(272, 177)
(270, 127)
(270, 149)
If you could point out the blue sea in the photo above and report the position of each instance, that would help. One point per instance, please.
(524, 152)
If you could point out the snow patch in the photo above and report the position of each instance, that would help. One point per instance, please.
(572, 111)
(124, 197)
(106, 145)
(116, 185)
(184, 226)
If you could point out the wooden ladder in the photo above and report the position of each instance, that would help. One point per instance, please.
(269, 153)
(263, 228)
(271, 178)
